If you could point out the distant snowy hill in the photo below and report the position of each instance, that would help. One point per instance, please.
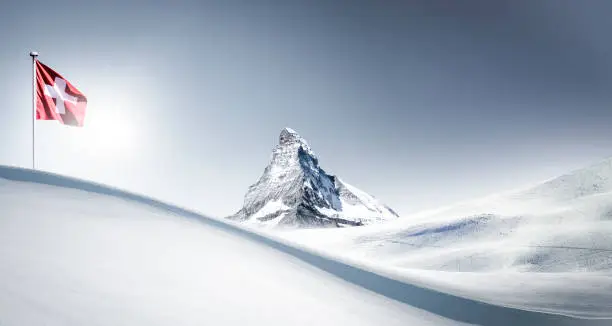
(549, 245)
(295, 191)
(562, 225)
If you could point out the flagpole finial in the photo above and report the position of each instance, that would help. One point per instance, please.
(33, 54)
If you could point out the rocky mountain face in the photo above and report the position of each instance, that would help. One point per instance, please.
(295, 191)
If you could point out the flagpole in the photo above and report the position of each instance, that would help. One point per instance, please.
(33, 54)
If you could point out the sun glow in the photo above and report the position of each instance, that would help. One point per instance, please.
(107, 130)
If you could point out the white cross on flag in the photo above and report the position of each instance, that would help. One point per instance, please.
(57, 99)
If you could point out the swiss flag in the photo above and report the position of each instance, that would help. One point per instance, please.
(57, 99)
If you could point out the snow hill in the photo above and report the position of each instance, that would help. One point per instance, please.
(78, 253)
(295, 191)
(548, 246)
(85, 254)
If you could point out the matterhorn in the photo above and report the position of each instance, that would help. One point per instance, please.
(294, 191)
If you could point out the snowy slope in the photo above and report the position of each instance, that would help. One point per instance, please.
(71, 257)
(295, 191)
(77, 253)
(549, 246)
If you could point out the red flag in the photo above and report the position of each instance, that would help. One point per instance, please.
(57, 99)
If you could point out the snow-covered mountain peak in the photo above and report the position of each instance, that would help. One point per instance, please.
(286, 153)
(289, 135)
(295, 190)
(290, 141)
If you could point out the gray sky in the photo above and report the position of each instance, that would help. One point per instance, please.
(420, 103)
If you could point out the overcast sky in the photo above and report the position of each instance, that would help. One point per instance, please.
(420, 103)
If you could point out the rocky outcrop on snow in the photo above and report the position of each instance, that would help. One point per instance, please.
(295, 191)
